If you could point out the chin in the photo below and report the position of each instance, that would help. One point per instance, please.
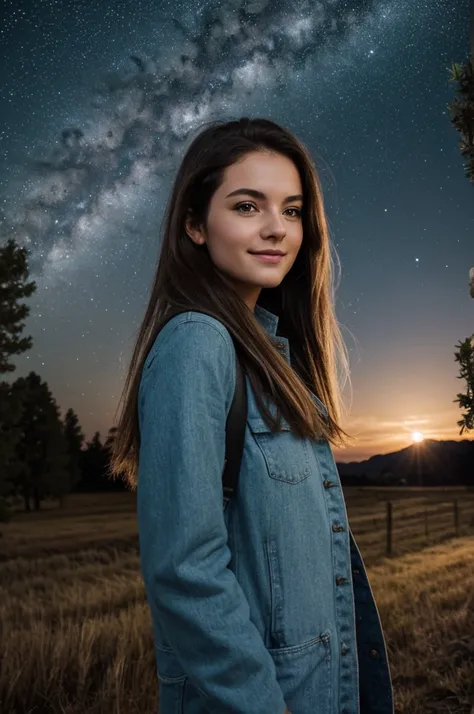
(271, 282)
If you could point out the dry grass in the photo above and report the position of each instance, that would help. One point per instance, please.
(75, 630)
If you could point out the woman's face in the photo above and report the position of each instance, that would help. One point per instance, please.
(240, 225)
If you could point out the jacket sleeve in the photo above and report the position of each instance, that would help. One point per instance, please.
(186, 395)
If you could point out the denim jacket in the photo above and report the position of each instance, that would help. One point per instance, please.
(265, 604)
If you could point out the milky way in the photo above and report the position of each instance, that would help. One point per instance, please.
(92, 187)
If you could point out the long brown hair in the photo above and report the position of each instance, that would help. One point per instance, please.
(186, 278)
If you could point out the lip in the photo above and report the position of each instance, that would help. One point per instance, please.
(269, 257)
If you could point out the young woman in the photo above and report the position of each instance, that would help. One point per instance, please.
(263, 607)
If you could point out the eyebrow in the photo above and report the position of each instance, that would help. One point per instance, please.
(258, 194)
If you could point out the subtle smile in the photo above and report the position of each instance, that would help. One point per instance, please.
(269, 257)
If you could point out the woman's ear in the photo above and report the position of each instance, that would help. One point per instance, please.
(195, 233)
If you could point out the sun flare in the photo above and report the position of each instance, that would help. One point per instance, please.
(417, 436)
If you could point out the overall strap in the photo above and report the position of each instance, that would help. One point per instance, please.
(235, 433)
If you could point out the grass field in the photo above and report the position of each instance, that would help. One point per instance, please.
(75, 631)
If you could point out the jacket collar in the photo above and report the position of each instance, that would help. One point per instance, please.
(269, 322)
(267, 319)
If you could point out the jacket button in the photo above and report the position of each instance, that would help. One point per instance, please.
(374, 654)
(356, 571)
(340, 581)
(344, 649)
(337, 529)
(327, 484)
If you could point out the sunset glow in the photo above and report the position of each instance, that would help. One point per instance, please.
(417, 436)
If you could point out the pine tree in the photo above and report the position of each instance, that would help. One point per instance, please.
(465, 357)
(41, 450)
(462, 112)
(462, 118)
(13, 287)
(74, 440)
(94, 462)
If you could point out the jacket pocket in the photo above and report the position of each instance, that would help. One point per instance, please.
(304, 673)
(171, 681)
(286, 455)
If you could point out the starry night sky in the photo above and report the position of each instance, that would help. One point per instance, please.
(97, 107)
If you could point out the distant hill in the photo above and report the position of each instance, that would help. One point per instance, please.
(439, 463)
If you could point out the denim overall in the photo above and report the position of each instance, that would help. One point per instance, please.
(266, 604)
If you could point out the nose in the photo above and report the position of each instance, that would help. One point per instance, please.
(275, 228)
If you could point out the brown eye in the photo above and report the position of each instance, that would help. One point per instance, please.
(237, 208)
(298, 210)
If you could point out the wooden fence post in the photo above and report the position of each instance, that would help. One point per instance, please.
(389, 528)
(456, 518)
